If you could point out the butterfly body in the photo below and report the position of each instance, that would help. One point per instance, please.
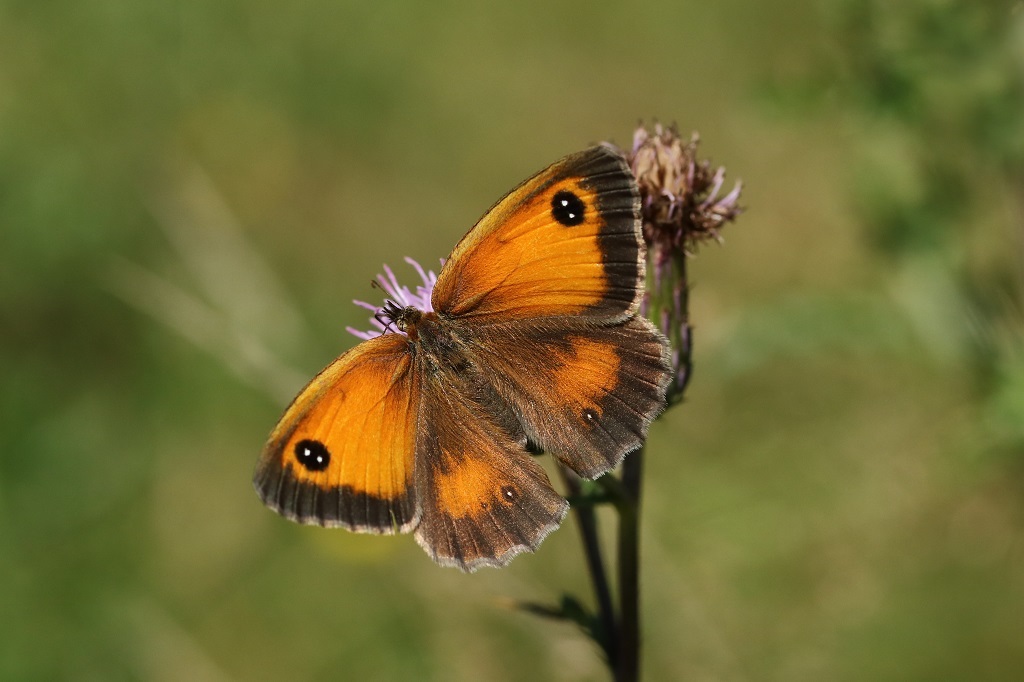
(533, 343)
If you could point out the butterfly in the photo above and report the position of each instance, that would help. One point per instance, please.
(534, 343)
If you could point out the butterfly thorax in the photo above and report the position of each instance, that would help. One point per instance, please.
(438, 344)
(430, 334)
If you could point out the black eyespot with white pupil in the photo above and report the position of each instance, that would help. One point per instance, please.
(567, 208)
(509, 494)
(312, 454)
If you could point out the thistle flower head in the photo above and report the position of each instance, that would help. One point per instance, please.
(680, 198)
(681, 206)
(397, 295)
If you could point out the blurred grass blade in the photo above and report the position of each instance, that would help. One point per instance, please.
(229, 270)
(244, 355)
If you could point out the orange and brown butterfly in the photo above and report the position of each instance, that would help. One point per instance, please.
(529, 340)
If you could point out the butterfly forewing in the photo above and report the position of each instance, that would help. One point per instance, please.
(565, 242)
(343, 453)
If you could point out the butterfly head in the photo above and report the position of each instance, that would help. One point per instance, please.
(404, 307)
(403, 318)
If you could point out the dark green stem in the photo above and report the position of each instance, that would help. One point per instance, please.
(627, 668)
(586, 519)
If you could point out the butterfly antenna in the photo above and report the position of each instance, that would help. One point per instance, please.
(387, 315)
(384, 319)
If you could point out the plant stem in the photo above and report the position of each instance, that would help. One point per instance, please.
(586, 519)
(627, 668)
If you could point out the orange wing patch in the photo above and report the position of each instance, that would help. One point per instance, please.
(466, 485)
(343, 454)
(565, 242)
(589, 370)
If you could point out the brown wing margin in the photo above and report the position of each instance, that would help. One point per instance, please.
(565, 242)
(484, 498)
(342, 454)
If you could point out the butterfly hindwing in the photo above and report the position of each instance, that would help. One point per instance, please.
(565, 242)
(343, 453)
(484, 498)
(585, 394)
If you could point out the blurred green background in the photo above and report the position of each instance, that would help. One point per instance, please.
(192, 192)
